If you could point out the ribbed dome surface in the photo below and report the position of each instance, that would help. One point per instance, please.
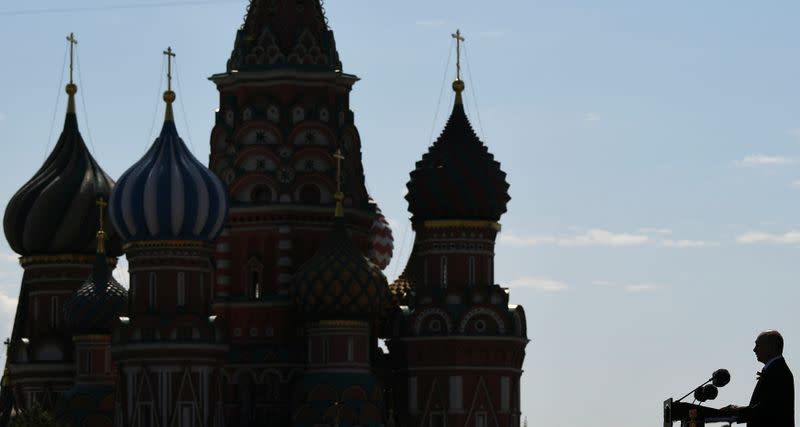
(339, 281)
(56, 212)
(95, 305)
(168, 195)
(457, 178)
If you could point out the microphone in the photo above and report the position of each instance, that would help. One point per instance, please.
(706, 391)
(721, 377)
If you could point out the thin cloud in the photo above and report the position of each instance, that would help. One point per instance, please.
(2, 116)
(592, 117)
(640, 287)
(604, 283)
(686, 244)
(652, 230)
(796, 184)
(794, 132)
(764, 160)
(542, 284)
(8, 305)
(755, 237)
(121, 273)
(593, 237)
(430, 23)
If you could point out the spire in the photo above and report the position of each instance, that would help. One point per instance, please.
(458, 84)
(169, 95)
(72, 88)
(100, 272)
(339, 195)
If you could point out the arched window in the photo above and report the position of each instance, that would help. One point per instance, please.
(261, 194)
(152, 291)
(255, 284)
(471, 269)
(444, 271)
(310, 195)
(181, 289)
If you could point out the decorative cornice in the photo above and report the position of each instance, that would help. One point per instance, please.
(61, 259)
(459, 223)
(167, 244)
(338, 324)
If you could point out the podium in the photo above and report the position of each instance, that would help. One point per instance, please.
(691, 415)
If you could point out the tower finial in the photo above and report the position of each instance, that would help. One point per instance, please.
(169, 95)
(101, 234)
(339, 195)
(72, 88)
(458, 85)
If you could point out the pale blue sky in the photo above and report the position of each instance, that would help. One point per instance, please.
(652, 150)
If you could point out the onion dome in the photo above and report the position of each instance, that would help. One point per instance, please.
(53, 212)
(97, 304)
(339, 281)
(457, 178)
(285, 34)
(168, 194)
(399, 289)
(381, 241)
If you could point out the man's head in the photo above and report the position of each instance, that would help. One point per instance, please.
(769, 344)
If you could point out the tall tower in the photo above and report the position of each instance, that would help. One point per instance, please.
(284, 111)
(51, 223)
(341, 296)
(168, 209)
(91, 313)
(458, 345)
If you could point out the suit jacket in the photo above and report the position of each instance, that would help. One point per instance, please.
(772, 403)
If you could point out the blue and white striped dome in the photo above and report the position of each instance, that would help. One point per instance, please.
(168, 194)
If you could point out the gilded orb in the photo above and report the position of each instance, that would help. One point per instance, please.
(169, 96)
(458, 86)
(72, 89)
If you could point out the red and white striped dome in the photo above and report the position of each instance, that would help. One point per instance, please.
(381, 241)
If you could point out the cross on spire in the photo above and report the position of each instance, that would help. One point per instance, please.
(101, 234)
(72, 42)
(170, 54)
(339, 195)
(459, 39)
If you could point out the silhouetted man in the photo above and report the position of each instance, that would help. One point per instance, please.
(772, 404)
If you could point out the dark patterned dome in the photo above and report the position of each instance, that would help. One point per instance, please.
(168, 194)
(95, 306)
(55, 212)
(339, 281)
(457, 178)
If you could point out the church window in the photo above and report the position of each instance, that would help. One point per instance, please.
(471, 269)
(456, 393)
(480, 419)
(132, 289)
(261, 194)
(86, 362)
(181, 289)
(35, 308)
(443, 268)
(55, 313)
(489, 272)
(255, 284)
(412, 395)
(310, 195)
(187, 414)
(326, 350)
(151, 295)
(505, 393)
(350, 349)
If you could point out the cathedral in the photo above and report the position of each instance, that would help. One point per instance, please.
(257, 294)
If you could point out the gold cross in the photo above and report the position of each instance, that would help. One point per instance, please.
(170, 54)
(72, 42)
(459, 38)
